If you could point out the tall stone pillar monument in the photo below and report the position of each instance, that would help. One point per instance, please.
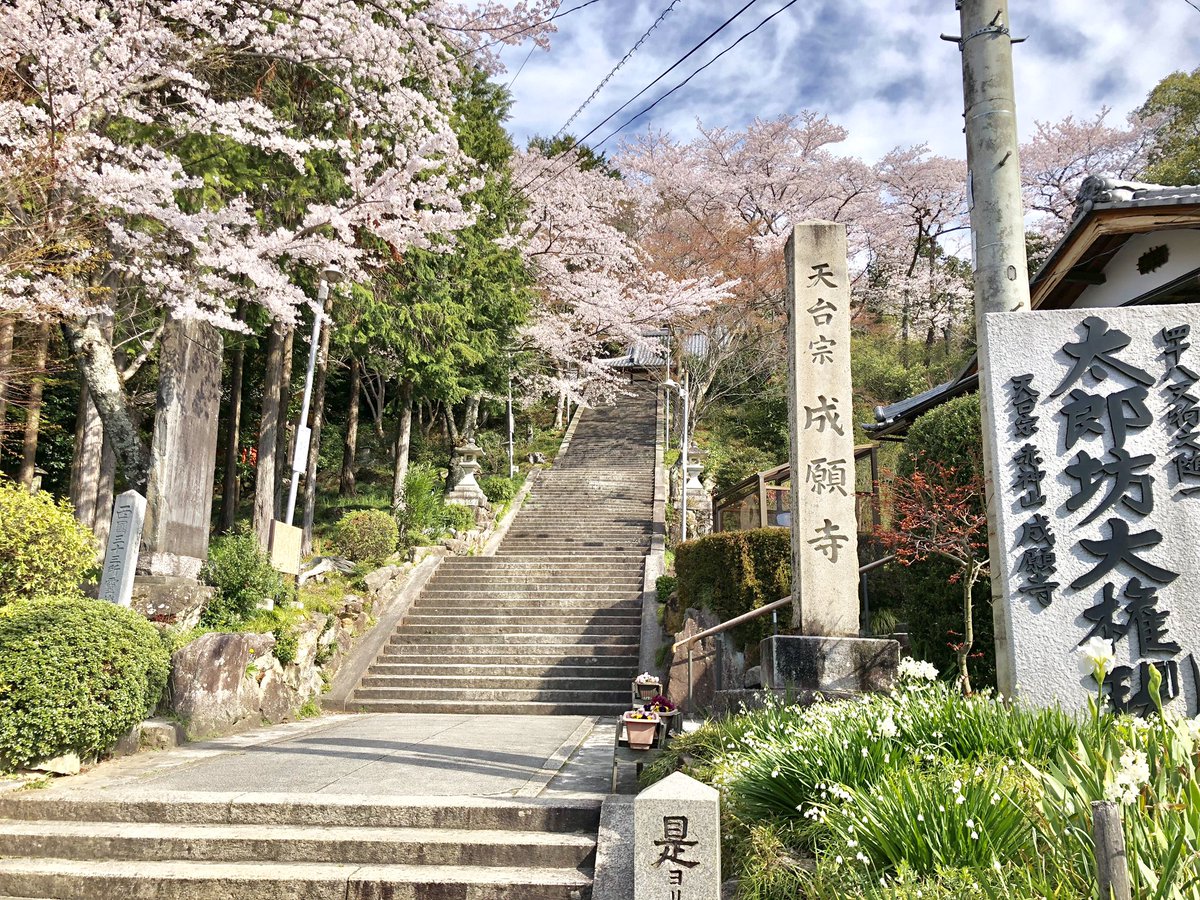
(827, 655)
(183, 453)
(824, 532)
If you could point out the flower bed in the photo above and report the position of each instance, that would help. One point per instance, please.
(931, 794)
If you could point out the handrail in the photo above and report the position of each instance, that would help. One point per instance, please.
(763, 610)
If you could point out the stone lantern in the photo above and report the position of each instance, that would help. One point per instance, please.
(468, 492)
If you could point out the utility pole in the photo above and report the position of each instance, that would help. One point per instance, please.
(997, 223)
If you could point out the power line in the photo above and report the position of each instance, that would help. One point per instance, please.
(617, 67)
(1192, 5)
(683, 83)
(529, 55)
(675, 65)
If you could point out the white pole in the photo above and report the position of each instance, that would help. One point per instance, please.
(510, 427)
(300, 445)
(683, 460)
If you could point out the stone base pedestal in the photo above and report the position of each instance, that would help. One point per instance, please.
(834, 666)
(468, 493)
(170, 600)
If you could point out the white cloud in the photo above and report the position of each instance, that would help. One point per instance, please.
(876, 66)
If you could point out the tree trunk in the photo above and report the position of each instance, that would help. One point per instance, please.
(6, 347)
(403, 442)
(968, 640)
(93, 353)
(314, 444)
(350, 449)
(104, 493)
(86, 460)
(454, 472)
(283, 437)
(268, 437)
(471, 418)
(231, 485)
(33, 412)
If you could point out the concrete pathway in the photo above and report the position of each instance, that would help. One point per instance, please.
(379, 755)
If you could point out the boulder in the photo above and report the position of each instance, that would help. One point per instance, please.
(214, 681)
(753, 677)
(170, 600)
(376, 580)
(67, 764)
(704, 676)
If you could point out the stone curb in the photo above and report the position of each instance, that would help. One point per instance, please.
(368, 647)
(558, 758)
(500, 528)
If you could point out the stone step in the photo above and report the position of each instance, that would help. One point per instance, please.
(523, 639)
(501, 578)
(485, 694)
(549, 592)
(184, 880)
(493, 813)
(534, 617)
(435, 655)
(294, 843)
(537, 629)
(439, 680)
(522, 669)
(533, 605)
(495, 707)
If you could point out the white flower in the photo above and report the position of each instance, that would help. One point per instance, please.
(887, 728)
(1134, 772)
(916, 670)
(1095, 658)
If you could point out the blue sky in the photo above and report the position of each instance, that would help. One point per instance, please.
(875, 66)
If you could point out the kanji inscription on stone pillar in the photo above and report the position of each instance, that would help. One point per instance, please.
(824, 530)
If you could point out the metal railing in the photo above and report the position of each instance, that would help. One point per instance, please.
(772, 608)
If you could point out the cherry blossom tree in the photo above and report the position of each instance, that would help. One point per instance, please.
(1060, 155)
(128, 131)
(598, 285)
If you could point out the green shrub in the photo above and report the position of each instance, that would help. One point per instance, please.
(44, 552)
(498, 489)
(733, 572)
(368, 535)
(75, 675)
(460, 518)
(243, 577)
(287, 645)
(424, 515)
(664, 586)
(949, 435)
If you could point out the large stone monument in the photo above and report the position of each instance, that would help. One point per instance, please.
(828, 655)
(124, 544)
(1095, 417)
(183, 453)
(677, 841)
(468, 492)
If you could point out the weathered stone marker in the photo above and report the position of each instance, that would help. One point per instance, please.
(824, 531)
(1095, 417)
(677, 841)
(285, 547)
(827, 656)
(183, 453)
(121, 553)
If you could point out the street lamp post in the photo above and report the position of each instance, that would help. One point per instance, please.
(331, 275)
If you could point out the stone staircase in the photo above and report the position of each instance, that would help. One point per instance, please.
(296, 847)
(552, 622)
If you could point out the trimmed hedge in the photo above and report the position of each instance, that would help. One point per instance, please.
(498, 489)
(75, 675)
(44, 552)
(368, 535)
(733, 572)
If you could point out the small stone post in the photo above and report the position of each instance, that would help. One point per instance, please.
(121, 553)
(824, 530)
(677, 841)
